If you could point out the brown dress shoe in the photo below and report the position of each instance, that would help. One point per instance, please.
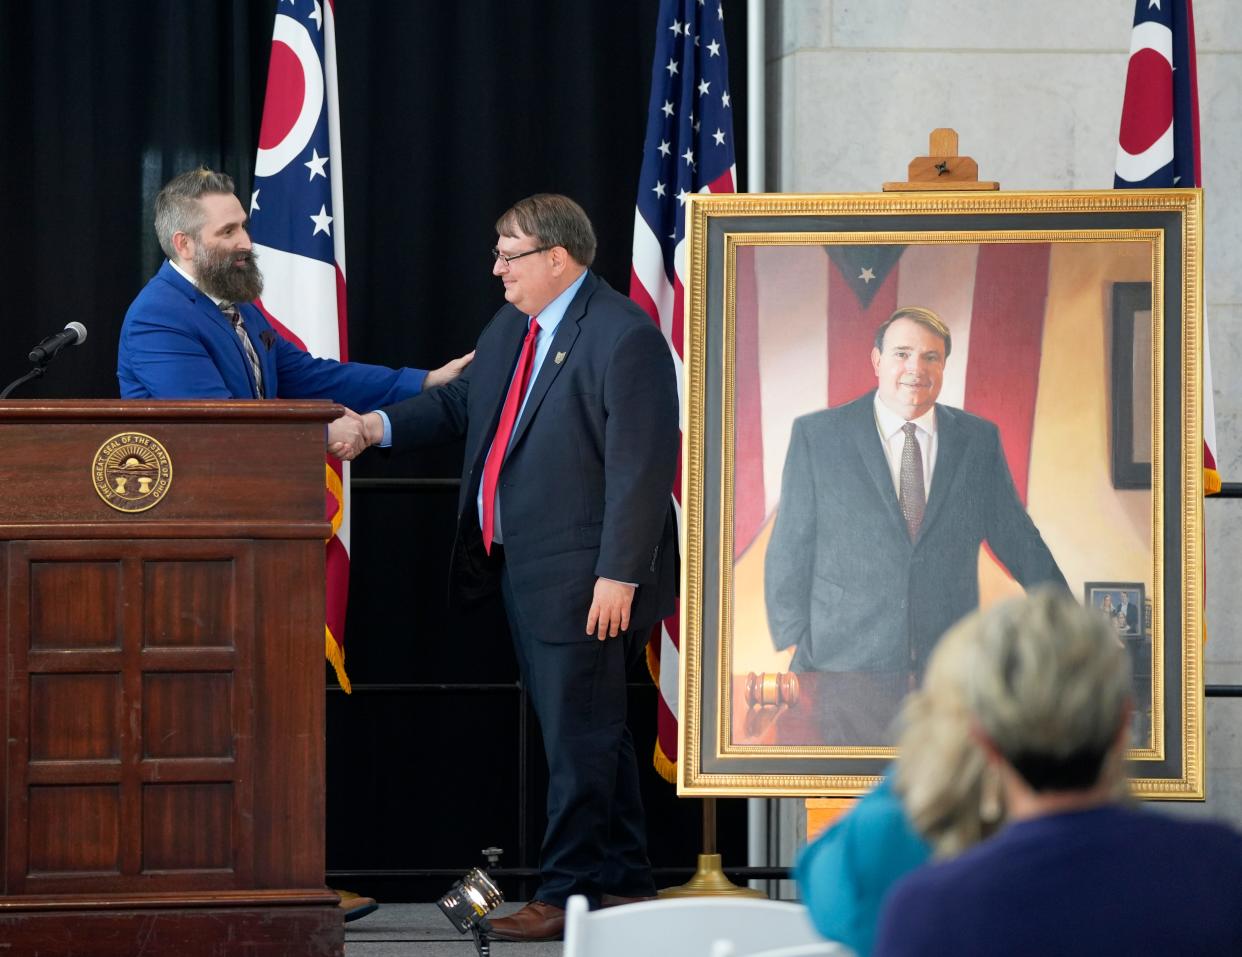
(616, 900)
(535, 921)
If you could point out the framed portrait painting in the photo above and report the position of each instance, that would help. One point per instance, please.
(825, 552)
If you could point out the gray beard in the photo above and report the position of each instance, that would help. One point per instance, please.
(218, 277)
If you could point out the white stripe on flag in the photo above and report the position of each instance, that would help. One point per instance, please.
(792, 290)
(334, 139)
(301, 293)
(678, 368)
(669, 660)
(649, 268)
(669, 655)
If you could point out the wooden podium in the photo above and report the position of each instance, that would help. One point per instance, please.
(161, 649)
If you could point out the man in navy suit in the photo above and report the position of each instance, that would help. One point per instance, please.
(570, 419)
(193, 333)
(884, 504)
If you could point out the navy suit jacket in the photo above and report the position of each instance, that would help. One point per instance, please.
(842, 579)
(176, 344)
(585, 489)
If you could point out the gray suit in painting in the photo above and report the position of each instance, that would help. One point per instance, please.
(845, 585)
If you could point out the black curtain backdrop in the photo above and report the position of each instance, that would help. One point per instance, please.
(100, 103)
(449, 113)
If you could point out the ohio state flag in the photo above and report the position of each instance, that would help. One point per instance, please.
(297, 222)
(1158, 145)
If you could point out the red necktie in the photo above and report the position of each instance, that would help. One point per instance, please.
(500, 442)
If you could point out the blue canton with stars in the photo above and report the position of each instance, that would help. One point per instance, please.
(689, 141)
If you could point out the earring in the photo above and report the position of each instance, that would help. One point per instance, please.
(990, 806)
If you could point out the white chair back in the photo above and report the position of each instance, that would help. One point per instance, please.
(825, 948)
(688, 927)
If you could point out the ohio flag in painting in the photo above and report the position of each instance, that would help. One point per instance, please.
(297, 221)
(689, 149)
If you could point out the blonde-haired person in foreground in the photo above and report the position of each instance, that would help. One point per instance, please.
(934, 802)
(1074, 871)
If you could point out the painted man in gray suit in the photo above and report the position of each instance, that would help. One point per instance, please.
(884, 503)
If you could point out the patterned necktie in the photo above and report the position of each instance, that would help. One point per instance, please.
(231, 312)
(912, 495)
(504, 430)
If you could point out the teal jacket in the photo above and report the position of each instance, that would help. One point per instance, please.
(845, 874)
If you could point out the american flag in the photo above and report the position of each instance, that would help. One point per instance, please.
(1158, 145)
(688, 149)
(297, 221)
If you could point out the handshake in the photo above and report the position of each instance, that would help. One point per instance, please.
(352, 434)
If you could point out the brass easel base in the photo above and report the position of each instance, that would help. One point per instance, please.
(709, 881)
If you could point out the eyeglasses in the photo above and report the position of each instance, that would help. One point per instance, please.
(498, 255)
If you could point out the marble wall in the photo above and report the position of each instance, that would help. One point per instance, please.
(1034, 91)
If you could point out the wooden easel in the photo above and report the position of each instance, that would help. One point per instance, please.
(943, 169)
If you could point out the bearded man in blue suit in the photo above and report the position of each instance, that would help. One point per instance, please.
(193, 332)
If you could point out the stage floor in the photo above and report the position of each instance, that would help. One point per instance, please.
(420, 930)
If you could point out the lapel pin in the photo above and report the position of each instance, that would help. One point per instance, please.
(560, 357)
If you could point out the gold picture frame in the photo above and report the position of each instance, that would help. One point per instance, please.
(783, 295)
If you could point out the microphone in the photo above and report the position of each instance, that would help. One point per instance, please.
(72, 335)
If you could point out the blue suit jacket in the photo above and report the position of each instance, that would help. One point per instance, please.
(176, 344)
(586, 485)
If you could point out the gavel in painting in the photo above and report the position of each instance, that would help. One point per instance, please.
(770, 689)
